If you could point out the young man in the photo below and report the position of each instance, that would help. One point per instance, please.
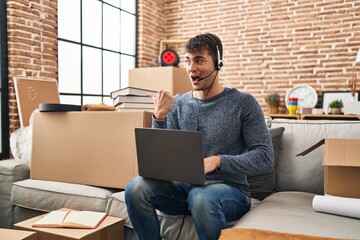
(236, 143)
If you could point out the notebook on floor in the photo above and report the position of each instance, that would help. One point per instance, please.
(172, 155)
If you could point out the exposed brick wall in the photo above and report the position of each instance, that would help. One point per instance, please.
(32, 45)
(151, 29)
(270, 45)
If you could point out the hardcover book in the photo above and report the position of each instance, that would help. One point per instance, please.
(135, 105)
(132, 99)
(131, 91)
(71, 219)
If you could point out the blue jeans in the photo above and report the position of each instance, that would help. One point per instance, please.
(211, 206)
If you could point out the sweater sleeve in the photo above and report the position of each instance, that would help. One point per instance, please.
(259, 156)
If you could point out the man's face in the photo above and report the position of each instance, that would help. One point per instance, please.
(200, 65)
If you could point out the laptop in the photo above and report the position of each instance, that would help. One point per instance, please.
(173, 155)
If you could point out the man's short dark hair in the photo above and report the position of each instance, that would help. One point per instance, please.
(206, 41)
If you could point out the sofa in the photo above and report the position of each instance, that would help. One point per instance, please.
(281, 200)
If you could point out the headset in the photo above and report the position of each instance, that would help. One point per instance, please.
(218, 63)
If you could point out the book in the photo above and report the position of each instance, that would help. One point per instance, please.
(132, 99)
(71, 219)
(135, 110)
(131, 91)
(135, 105)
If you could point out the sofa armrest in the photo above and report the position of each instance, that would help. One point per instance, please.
(10, 171)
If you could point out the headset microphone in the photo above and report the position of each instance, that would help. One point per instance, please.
(202, 78)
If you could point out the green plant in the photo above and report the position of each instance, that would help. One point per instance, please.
(273, 99)
(336, 104)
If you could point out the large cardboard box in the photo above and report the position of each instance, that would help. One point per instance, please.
(10, 234)
(341, 166)
(110, 229)
(172, 79)
(88, 147)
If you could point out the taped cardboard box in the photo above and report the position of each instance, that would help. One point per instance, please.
(172, 79)
(110, 229)
(10, 234)
(94, 148)
(341, 166)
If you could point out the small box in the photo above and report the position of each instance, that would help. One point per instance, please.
(86, 147)
(341, 166)
(172, 79)
(10, 234)
(110, 228)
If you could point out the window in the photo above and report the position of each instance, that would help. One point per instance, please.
(96, 48)
(4, 95)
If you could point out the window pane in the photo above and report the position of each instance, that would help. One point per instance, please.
(92, 100)
(128, 40)
(111, 72)
(127, 63)
(115, 3)
(69, 67)
(91, 70)
(69, 19)
(92, 22)
(76, 100)
(111, 30)
(128, 5)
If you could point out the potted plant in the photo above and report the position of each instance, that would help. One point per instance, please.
(335, 106)
(273, 100)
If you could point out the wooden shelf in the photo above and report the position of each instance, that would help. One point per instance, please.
(315, 116)
(283, 115)
(330, 116)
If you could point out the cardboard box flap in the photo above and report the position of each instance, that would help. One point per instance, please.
(342, 152)
(338, 152)
(313, 147)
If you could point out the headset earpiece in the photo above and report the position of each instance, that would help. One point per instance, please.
(218, 63)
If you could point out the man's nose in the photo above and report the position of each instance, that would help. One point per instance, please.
(192, 66)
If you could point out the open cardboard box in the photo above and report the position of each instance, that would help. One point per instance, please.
(86, 147)
(341, 166)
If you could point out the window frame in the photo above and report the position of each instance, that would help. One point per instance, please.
(4, 87)
(81, 44)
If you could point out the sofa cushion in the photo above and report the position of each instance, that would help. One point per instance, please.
(262, 185)
(10, 172)
(292, 212)
(48, 196)
(305, 173)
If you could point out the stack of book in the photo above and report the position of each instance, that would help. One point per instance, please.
(133, 99)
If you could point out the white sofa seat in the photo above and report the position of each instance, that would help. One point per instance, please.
(292, 212)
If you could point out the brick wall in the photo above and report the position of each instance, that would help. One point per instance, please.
(269, 45)
(32, 45)
(151, 29)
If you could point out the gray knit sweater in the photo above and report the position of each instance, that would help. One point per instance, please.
(233, 127)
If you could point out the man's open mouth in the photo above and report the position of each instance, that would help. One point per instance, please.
(195, 79)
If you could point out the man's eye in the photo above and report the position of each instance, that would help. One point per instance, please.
(200, 61)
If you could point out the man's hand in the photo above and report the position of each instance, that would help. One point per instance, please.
(211, 163)
(163, 102)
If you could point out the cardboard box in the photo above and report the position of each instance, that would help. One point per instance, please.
(172, 79)
(10, 234)
(88, 147)
(110, 229)
(341, 166)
